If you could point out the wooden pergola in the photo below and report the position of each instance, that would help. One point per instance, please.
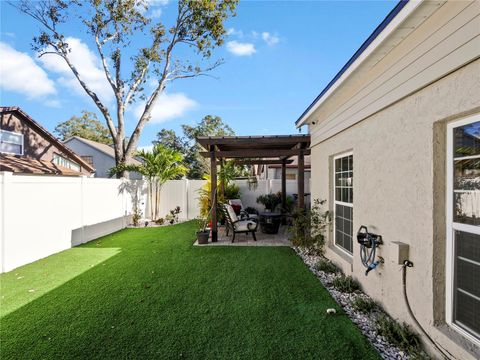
(256, 150)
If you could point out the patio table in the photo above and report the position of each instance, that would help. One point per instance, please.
(270, 222)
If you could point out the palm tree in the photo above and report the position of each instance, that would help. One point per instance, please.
(157, 166)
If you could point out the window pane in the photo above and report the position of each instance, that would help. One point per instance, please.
(466, 207)
(338, 193)
(11, 138)
(338, 163)
(466, 140)
(467, 281)
(467, 174)
(11, 148)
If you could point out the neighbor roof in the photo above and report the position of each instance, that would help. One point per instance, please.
(104, 148)
(47, 134)
(26, 165)
(401, 4)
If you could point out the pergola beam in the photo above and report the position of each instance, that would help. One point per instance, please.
(290, 140)
(258, 162)
(254, 153)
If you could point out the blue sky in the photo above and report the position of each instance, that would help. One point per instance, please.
(278, 57)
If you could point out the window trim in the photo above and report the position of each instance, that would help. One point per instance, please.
(335, 202)
(23, 143)
(451, 227)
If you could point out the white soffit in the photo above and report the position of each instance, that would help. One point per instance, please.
(406, 21)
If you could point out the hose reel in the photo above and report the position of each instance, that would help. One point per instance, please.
(368, 248)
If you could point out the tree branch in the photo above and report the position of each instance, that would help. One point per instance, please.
(105, 65)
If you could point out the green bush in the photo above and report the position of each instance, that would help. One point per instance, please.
(326, 266)
(270, 201)
(309, 228)
(363, 305)
(400, 335)
(346, 284)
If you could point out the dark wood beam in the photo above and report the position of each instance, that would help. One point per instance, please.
(213, 193)
(284, 188)
(287, 140)
(301, 181)
(258, 162)
(255, 153)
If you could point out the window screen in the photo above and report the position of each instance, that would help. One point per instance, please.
(343, 209)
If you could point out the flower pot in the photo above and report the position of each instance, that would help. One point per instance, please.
(202, 237)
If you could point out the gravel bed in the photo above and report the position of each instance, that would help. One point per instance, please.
(365, 322)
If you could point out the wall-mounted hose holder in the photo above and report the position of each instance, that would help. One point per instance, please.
(368, 248)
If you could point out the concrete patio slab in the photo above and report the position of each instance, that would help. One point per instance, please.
(280, 239)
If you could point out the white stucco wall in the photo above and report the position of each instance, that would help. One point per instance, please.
(399, 174)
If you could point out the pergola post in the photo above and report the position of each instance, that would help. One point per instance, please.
(213, 196)
(301, 181)
(222, 179)
(284, 189)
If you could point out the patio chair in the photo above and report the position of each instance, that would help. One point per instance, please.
(243, 213)
(237, 225)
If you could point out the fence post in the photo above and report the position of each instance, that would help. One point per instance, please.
(6, 179)
(185, 198)
(82, 207)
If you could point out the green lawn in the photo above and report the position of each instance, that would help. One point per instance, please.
(148, 293)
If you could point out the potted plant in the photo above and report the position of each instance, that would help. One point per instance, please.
(269, 201)
(203, 233)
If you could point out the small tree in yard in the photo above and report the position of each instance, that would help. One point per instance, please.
(115, 27)
(86, 126)
(158, 166)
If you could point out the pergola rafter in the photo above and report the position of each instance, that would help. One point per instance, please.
(255, 150)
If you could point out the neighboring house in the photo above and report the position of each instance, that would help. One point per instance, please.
(274, 171)
(395, 146)
(28, 148)
(100, 156)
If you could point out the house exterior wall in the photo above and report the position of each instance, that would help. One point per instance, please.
(399, 192)
(101, 161)
(36, 145)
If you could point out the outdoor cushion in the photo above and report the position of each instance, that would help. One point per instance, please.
(237, 208)
(245, 225)
(231, 212)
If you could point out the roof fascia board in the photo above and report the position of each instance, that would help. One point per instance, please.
(407, 9)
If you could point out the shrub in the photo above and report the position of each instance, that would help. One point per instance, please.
(160, 221)
(309, 227)
(270, 201)
(172, 217)
(399, 335)
(363, 305)
(326, 266)
(346, 284)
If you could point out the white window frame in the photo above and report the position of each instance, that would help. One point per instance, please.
(23, 143)
(68, 163)
(451, 227)
(335, 202)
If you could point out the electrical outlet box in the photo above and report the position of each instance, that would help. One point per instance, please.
(400, 252)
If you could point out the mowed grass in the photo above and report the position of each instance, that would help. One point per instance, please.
(150, 294)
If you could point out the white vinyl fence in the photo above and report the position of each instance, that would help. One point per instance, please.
(43, 215)
(185, 193)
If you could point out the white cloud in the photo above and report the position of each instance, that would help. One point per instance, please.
(234, 32)
(20, 73)
(168, 107)
(88, 65)
(270, 39)
(241, 49)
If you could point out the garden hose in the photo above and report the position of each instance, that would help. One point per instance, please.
(407, 264)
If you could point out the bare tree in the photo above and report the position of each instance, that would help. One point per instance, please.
(112, 24)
